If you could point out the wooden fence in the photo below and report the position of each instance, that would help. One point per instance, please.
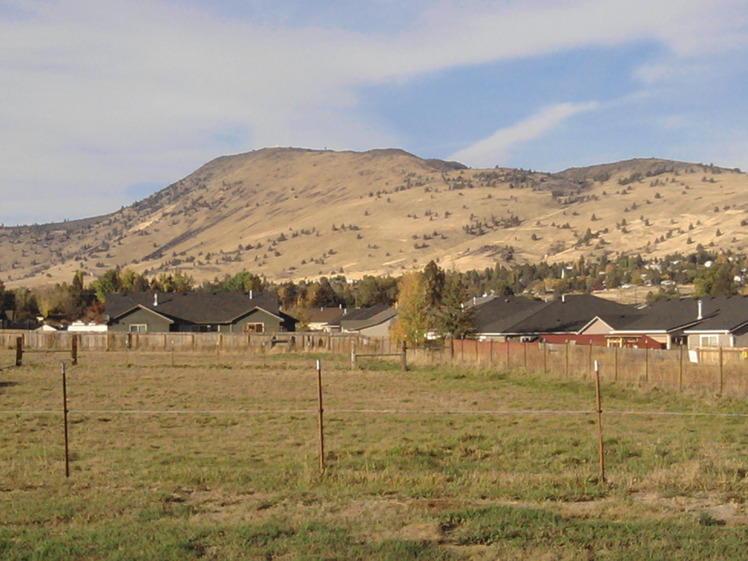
(187, 342)
(718, 371)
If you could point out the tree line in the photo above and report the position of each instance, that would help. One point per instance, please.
(433, 297)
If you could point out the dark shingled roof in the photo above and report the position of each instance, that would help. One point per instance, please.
(731, 314)
(670, 315)
(569, 314)
(361, 318)
(194, 307)
(501, 313)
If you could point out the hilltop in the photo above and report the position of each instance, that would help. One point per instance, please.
(291, 213)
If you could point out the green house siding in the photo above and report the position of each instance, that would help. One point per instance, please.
(154, 323)
(270, 322)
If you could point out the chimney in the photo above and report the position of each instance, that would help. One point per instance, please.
(155, 299)
(563, 298)
(700, 308)
(251, 293)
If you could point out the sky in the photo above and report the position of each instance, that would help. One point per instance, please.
(103, 102)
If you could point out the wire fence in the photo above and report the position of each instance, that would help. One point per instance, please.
(100, 384)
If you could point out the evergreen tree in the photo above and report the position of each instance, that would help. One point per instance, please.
(455, 318)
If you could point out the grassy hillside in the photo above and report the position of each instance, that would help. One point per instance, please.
(208, 458)
(292, 213)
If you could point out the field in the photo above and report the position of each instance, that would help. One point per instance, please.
(206, 457)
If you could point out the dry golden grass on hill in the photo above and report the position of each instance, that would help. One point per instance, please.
(292, 214)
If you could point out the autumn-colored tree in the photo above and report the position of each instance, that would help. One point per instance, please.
(412, 313)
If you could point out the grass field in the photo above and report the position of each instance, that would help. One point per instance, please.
(205, 457)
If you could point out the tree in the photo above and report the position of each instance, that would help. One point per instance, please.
(321, 294)
(433, 278)
(455, 318)
(717, 280)
(244, 282)
(130, 281)
(109, 282)
(412, 312)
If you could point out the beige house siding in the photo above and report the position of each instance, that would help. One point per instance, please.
(712, 340)
(598, 327)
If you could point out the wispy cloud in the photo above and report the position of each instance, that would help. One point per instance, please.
(497, 148)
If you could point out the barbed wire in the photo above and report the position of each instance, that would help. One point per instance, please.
(332, 411)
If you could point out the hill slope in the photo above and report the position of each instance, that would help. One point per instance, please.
(293, 213)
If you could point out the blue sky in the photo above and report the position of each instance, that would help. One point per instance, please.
(105, 101)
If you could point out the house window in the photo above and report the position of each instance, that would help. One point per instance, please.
(709, 340)
(254, 328)
(138, 327)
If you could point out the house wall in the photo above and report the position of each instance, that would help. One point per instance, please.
(155, 323)
(491, 337)
(381, 330)
(741, 340)
(269, 321)
(598, 328)
(723, 340)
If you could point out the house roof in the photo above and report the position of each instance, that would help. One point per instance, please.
(329, 316)
(497, 315)
(671, 315)
(615, 321)
(194, 307)
(361, 318)
(568, 314)
(731, 315)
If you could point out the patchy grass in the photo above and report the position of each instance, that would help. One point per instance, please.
(216, 458)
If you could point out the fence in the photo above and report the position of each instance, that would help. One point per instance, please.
(720, 371)
(336, 343)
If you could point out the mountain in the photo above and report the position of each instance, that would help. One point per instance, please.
(293, 213)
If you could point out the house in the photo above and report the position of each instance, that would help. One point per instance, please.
(371, 322)
(83, 327)
(495, 317)
(320, 319)
(665, 321)
(603, 329)
(225, 312)
(728, 327)
(521, 319)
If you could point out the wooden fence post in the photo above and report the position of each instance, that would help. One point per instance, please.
(490, 353)
(65, 419)
(646, 365)
(567, 359)
(680, 369)
(598, 400)
(321, 419)
(19, 351)
(353, 357)
(74, 351)
(404, 358)
(615, 372)
(721, 372)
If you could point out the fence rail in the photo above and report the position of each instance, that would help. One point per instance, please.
(720, 371)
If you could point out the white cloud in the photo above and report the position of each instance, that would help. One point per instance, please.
(496, 149)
